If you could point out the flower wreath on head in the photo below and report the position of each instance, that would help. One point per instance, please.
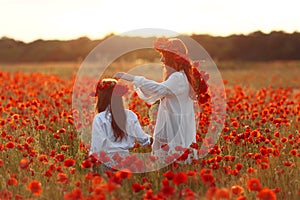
(118, 89)
(180, 54)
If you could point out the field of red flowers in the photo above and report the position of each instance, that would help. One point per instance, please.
(256, 157)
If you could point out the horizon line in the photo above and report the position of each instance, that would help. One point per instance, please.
(144, 36)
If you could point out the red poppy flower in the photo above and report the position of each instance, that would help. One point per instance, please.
(236, 189)
(137, 187)
(62, 178)
(250, 170)
(264, 165)
(89, 176)
(5, 194)
(276, 190)
(288, 164)
(210, 193)
(62, 130)
(191, 173)
(283, 139)
(293, 152)
(254, 184)
(10, 145)
(109, 187)
(29, 140)
(60, 157)
(35, 187)
(65, 147)
(19, 197)
(41, 127)
(238, 166)
(86, 164)
(12, 181)
(266, 194)
(235, 124)
(169, 175)
(180, 178)
(207, 179)
(48, 173)
(222, 194)
(97, 180)
(23, 163)
(75, 194)
(43, 158)
(194, 145)
(167, 190)
(276, 134)
(69, 162)
(124, 173)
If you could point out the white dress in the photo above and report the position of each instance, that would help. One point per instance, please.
(103, 138)
(175, 123)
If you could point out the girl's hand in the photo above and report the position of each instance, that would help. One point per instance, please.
(151, 140)
(123, 75)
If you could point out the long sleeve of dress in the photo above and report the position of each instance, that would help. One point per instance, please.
(135, 130)
(151, 91)
(97, 137)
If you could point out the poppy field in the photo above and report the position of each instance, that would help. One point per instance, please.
(257, 155)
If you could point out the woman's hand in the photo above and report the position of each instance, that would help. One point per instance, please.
(124, 76)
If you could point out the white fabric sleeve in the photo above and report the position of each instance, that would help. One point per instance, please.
(136, 131)
(98, 139)
(151, 91)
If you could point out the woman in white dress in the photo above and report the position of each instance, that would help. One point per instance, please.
(114, 128)
(175, 125)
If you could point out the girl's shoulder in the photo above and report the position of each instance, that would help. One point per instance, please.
(130, 114)
(103, 116)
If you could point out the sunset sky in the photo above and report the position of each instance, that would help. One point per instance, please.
(29, 20)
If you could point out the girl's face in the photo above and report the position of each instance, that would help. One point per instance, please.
(162, 59)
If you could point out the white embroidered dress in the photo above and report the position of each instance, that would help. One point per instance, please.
(175, 123)
(103, 138)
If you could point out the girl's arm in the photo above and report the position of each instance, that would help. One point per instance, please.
(135, 130)
(97, 140)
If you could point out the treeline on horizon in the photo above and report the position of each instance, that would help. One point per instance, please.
(256, 46)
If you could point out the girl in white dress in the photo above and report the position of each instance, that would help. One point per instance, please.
(175, 125)
(114, 128)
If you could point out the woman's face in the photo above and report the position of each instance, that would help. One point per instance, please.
(168, 69)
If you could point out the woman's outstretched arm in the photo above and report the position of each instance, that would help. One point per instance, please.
(150, 90)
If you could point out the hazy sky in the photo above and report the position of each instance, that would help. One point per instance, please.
(29, 20)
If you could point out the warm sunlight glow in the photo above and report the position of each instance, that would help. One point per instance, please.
(55, 19)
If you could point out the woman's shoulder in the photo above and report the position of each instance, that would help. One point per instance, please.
(178, 74)
(178, 78)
